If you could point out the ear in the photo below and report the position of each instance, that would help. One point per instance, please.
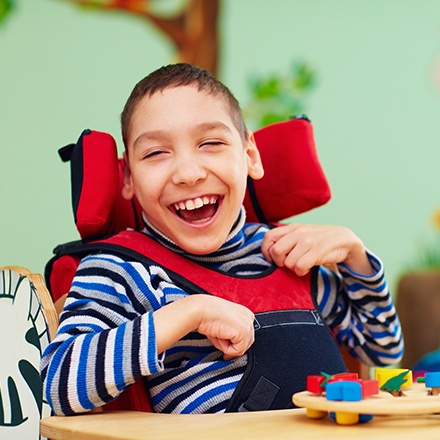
(255, 166)
(127, 187)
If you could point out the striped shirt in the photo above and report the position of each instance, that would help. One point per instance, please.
(106, 337)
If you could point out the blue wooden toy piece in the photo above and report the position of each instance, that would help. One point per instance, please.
(345, 391)
(432, 379)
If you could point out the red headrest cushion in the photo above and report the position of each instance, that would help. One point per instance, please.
(294, 181)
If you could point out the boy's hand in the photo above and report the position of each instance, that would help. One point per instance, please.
(229, 326)
(300, 247)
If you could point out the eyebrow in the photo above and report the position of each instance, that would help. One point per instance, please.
(202, 127)
(216, 125)
(149, 135)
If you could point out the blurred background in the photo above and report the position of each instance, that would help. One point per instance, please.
(367, 73)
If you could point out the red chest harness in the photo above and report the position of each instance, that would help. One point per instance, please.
(291, 339)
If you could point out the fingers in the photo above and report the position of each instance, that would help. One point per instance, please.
(289, 246)
(300, 247)
(232, 350)
(239, 343)
(270, 239)
(229, 326)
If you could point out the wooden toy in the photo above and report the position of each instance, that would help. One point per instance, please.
(350, 400)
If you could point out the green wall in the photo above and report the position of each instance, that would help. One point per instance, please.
(375, 108)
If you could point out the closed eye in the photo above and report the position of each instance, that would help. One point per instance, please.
(153, 154)
(213, 144)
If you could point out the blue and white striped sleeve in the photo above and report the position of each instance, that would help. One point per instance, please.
(360, 311)
(106, 339)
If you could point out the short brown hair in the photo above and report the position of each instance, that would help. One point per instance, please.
(175, 75)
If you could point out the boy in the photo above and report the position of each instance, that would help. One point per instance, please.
(188, 156)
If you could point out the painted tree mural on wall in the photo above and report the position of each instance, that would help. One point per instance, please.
(192, 27)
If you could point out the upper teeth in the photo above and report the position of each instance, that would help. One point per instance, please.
(198, 202)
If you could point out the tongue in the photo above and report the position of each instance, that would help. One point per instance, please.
(193, 215)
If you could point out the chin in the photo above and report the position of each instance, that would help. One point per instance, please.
(202, 248)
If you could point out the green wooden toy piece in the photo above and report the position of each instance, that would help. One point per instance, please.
(394, 384)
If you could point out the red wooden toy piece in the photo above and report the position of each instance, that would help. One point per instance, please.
(313, 384)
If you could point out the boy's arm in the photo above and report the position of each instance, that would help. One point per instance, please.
(112, 322)
(356, 302)
(361, 313)
(103, 340)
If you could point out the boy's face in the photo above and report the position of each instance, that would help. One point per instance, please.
(188, 166)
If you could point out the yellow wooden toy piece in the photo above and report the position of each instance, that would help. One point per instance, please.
(346, 418)
(315, 413)
(383, 375)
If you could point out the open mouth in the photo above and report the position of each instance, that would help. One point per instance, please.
(200, 209)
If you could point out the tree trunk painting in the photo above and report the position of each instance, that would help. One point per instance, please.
(193, 30)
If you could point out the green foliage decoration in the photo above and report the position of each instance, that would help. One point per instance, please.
(6, 6)
(277, 97)
(428, 257)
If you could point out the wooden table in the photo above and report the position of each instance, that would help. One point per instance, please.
(269, 425)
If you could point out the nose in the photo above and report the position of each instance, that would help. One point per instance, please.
(188, 169)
